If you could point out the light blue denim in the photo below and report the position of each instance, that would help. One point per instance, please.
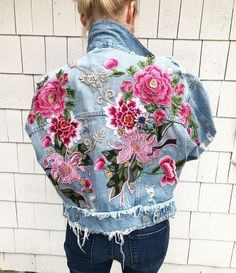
(149, 202)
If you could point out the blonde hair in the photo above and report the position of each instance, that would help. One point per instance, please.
(106, 8)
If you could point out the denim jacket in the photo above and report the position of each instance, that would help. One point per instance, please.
(113, 129)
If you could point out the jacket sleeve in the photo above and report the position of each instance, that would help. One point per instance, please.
(201, 126)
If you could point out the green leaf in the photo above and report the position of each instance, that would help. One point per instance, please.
(141, 64)
(59, 74)
(70, 93)
(180, 164)
(132, 70)
(87, 160)
(40, 84)
(40, 120)
(58, 144)
(117, 73)
(81, 148)
(150, 60)
(127, 96)
(76, 197)
(175, 81)
(110, 155)
(70, 105)
(151, 108)
(67, 114)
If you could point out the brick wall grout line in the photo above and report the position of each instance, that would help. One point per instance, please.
(158, 19)
(179, 17)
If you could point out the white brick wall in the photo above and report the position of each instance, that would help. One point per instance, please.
(201, 35)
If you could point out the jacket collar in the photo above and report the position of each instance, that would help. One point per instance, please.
(109, 33)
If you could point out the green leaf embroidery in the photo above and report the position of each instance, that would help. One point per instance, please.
(70, 93)
(175, 81)
(128, 96)
(132, 70)
(59, 74)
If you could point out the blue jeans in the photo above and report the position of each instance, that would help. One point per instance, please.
(144, 250)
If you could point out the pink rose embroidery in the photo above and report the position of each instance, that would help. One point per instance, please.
(168, 165)
(65, 170)
(153, 86)
(139, 144)
(88, 187)
(50, 99)
(46, 141)
(179, 89)
(126, 86)
(197, 141)
(185, 113)
(123, 117)
(159, 116)
(111, 63)
(99, 164)
(66, 130)
(31, 118)
(63, 79)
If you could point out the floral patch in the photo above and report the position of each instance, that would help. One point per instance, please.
(53, 106)
(139, 118)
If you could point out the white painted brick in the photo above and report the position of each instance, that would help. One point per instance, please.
(233, 262)
(8, 214)
(211, 253)
(223, 167)
(2, 261)
(55, 52)
(224, 139)
(169, 16)
(233, 26)
(177, 251)
(190, 170)
(233, 200)
(213, 89)
(30, 188)
(23, 16)
(7, 21)
(186, 195)
(208, 167)
(26, 157)
(32, 241)
(148, 28)
(76, 48)
(51, 194)
(230, 72)
(180, 225)
(14, 125)
(19, 262)
(51, 264)
(8, 162)
(187, 51)
(64, 11)
(42, 17)
(161, 47)
(213, 62)
(214, 197)
(3, 126)
(213, 226)
(7, 240)
(26, 138)
(33, 49)
(10, 54)
(189, 25)
(232, 174)
(16, 91)
(57, 239)
(226, 104)
(216, 19)
(48, 216)
(25, 215)
(7, 191)
(143, 41)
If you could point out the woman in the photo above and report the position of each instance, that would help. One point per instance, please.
(112, 131)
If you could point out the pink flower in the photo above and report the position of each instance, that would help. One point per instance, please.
(159, 116)
(153, 85)
(136, 143)
(111, 63)
(179, 89)
(123, 117)
(65, 170)
(63, 79)
(185, 113)
(99, 163)
(66, 130)
(46, 141)
(168, 165)
(50, 99)
(88, 187)
(126, 86)
(31, 118)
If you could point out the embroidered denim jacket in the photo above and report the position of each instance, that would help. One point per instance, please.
(113, 130)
